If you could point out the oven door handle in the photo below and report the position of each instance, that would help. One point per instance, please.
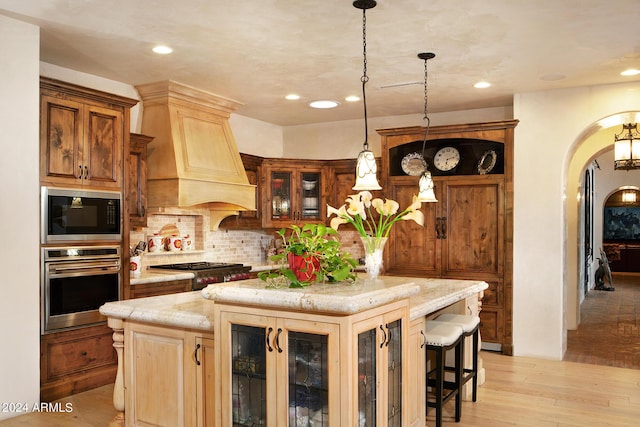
(92, 267)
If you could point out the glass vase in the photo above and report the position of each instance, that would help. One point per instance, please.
(373, 251)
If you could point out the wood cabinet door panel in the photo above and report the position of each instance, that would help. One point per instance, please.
(61, 136)
(474, 228)
(103, 145)
(491, 325)
(491, 294)
(153, 399)
(413, 249)
(77, 353)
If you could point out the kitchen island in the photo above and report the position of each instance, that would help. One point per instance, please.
(296, 356)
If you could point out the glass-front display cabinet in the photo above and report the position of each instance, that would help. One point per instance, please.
(381, 353)
(281, 371)
(293, 194)
(301, 369)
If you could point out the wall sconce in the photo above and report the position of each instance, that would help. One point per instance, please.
(627, 148)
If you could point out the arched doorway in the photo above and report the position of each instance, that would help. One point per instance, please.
(595, 142)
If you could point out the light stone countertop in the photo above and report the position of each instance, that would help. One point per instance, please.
(191, 310)
(336, 298)
(181, 310)
(158, 276)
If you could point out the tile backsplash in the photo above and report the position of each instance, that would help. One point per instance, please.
(246, 246)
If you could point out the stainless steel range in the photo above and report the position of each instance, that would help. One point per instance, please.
(210, 272)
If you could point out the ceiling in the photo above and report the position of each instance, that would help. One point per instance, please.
(256, 52)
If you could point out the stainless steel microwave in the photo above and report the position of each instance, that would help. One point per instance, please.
(71, 215)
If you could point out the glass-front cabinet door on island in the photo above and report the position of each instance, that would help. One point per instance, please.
(278, 371)
(381, 351)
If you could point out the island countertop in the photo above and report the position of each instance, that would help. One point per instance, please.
(194, 310)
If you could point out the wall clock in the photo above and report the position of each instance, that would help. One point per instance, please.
(487, 162)
(446, 158)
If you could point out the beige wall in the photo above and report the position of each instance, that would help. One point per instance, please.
(19, 209)
(553, 124)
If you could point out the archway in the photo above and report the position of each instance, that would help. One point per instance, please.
(595, 140)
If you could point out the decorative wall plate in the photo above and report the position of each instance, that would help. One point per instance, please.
(413, 164)
(487, 162)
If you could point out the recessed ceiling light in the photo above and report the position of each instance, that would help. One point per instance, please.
(162, 50)
(352, 98)
(323, 103)
(630, 72)
(292, 97)
(482, 85)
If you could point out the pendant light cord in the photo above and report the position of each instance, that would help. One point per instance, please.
(426, 117)
(364, 79)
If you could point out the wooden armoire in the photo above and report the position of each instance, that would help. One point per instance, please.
(468, 233)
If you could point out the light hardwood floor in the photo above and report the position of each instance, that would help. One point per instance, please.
(519, 391)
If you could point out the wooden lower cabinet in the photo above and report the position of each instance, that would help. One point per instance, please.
(169, 376)
(292, 368)
(162, 288)
(75, 361)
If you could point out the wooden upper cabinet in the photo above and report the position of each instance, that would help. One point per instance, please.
(82, 135)
(294, 192)
(137, 180)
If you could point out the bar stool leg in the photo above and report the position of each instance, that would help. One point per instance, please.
(459, 357)
(474, 381)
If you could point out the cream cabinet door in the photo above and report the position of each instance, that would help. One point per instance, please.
(162, 387)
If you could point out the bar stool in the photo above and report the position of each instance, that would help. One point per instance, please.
(470, 326)
(440, 337)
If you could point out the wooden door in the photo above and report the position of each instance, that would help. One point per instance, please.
(103, 144)
(412, 249)
(137, 180)
(61, 141)
(473, 212)
(160, 376)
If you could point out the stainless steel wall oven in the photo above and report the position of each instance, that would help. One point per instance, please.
(76, 281)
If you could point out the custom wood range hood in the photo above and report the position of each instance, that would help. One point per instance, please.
(193, 161)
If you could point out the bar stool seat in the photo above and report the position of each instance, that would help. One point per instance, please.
(470, 326)
(439, 337)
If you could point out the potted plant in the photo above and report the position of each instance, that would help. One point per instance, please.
(312, 253)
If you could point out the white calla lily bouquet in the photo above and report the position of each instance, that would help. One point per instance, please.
(358, 212)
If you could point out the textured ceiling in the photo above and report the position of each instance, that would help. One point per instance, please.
(257, 51)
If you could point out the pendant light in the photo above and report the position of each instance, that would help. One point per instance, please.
(366, 165)
(627, 148)
(426, 188)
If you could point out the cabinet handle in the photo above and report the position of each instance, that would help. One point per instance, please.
(278, 340)
(80, 174)
(86, 172)
(443, 224)
(143, 211)
(424, 339)
(195, 354)
(386, 344)
(384, 339)
(268, 335)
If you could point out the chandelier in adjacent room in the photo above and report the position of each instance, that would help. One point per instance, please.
(627, 148)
